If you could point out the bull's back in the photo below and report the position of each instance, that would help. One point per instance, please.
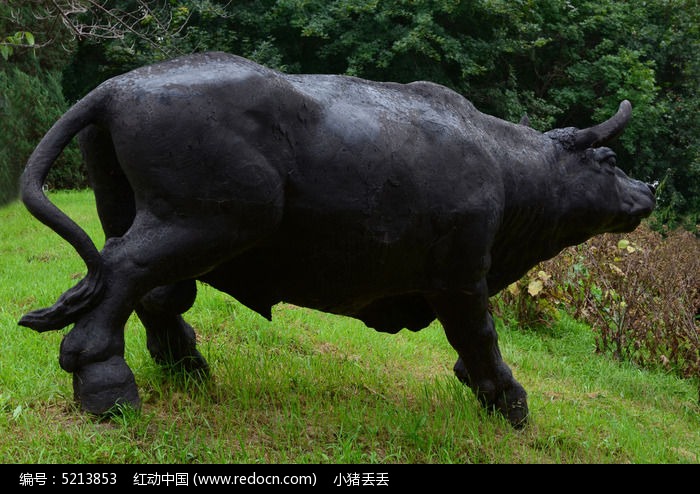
(210, 115)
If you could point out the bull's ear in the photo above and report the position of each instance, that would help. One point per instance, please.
(525, 120)
(603, 132)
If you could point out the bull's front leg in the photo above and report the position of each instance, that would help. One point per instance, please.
(470, 330)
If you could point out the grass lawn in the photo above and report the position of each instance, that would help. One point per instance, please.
(310, 387)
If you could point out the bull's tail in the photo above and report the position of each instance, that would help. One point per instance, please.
(87, 292)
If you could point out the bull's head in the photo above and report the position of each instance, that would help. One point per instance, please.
(597, 196)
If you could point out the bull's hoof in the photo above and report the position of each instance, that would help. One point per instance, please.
(194, 363)
(510, 401)
(514, 409)
(174, 347)
(101, 387)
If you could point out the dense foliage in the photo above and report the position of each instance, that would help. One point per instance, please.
(563, 62)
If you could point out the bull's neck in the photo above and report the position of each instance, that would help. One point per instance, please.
(530, 218)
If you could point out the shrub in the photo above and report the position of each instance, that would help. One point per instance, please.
(29, 105)
(640, 292)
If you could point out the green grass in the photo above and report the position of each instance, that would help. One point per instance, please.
(310, 387)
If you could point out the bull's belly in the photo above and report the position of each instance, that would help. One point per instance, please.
(374, 267)
(380, 285)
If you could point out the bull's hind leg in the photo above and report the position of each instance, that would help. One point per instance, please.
(172, 236)
(152, 253)
(470, 330)
(170, 340)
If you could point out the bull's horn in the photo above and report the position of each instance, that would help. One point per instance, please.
(600, 134)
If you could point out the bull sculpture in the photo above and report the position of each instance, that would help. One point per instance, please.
(395, 204)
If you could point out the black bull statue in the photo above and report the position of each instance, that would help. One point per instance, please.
(395, 204)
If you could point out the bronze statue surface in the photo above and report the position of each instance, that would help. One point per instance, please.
(395, 204)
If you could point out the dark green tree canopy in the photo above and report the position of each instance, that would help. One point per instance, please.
(561, 62)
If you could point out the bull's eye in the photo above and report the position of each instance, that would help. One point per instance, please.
(605, 157)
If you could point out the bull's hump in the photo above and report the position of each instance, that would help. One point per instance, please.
(332, 90)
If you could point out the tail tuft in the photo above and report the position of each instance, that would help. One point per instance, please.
(74, 302)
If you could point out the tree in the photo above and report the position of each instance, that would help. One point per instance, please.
(33, 52)
(30, 105)
(563, 62)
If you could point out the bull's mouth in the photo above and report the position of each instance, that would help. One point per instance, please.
(633, 218)
(629, 224)
(642, 200)
(639, 204)
(641, 211)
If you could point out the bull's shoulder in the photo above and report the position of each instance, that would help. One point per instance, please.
(429, 88)
(438, 92)
(342, 94)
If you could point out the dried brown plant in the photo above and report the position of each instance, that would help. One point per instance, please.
(640, 292)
